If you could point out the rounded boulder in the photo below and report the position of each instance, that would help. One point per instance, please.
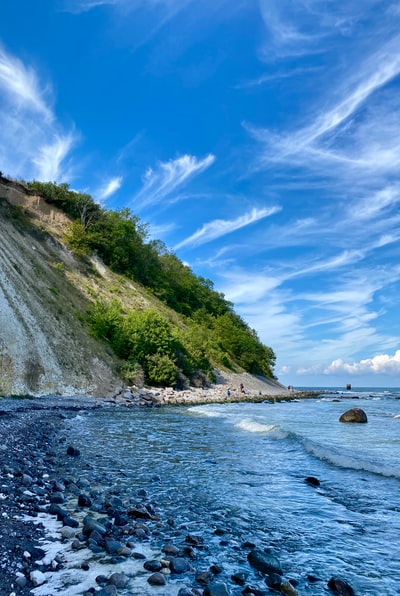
(354, 415)
(264, 562)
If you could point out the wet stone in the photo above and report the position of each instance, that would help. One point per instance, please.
(273, 580)
(112, 546)
(179, 565)
(312, 481)
(288, 589)
(204, 577)
(84, 501)
(101, 580)
(194, 540)
(138, 556)
(217, 589)
(170, 549)
(239, 578)
(57, 497)
(119, 580)
(89, 524)
(340, 586)
(157, 579)
(264, 562)
(108, 591)
(152, 565)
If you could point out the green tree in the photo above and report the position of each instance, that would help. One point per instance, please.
(214, 334)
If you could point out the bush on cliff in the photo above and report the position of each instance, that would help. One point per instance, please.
(211, 334)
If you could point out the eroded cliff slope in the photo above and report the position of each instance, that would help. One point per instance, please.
(44, 343)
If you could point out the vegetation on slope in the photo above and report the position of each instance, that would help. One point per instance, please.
(166, 350)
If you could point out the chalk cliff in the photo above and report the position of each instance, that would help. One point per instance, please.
(44, 343)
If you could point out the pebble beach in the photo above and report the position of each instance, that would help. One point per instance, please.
(51, 518)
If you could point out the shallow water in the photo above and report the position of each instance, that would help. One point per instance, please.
(242, 467)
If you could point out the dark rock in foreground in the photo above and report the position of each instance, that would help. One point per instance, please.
(264, 562)
(340, 586)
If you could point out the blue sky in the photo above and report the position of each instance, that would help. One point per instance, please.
(259, 139)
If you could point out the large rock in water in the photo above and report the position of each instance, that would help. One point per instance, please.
(264, 562)
(340, 586)
(354, 415)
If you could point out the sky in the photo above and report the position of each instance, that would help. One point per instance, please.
(258, 139)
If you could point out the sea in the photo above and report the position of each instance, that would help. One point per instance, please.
(242, 468)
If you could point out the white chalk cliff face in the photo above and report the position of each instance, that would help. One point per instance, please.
(44, 345)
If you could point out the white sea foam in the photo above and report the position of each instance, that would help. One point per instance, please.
(207, 411)
(253, 426)
(344, 460)
(73, 580)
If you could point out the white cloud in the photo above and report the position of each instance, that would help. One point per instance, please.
(273, 77)
(328, 264)
(20, 83)
(109, 188)
(158, 231)
(350, 134)
(168, 177)
(243, 287)
(308, 328)
(32, 144)
(380, 364)
(79, 6)
(220, 227)
(306, 26)
(372, 206)
(49, 158)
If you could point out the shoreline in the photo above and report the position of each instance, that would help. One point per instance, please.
(131, 397)
(228, 388)
(40, 482)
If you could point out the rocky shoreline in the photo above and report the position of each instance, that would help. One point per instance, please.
(228, 388)
(41, 479)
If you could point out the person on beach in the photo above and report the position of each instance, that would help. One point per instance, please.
(242, 388)
(228, 393)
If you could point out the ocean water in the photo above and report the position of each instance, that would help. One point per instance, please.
(242, 468)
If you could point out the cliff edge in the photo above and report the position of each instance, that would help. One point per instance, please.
(44, 345)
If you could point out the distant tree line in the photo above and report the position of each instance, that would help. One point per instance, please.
(211, 334)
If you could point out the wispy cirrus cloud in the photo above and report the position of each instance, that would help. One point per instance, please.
(81, 6)
(20, 86)
(49, 157)
(220, 227)
(298, 28)
(109, 188)
(32, 144)
(375, 204)
(78, 6)
(142, 21)
(359, 132)
(158, 231)
(338, 315)
(272, 77)
(160, 183)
